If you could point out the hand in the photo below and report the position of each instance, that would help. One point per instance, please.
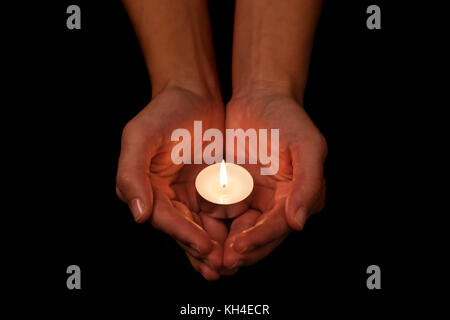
(158, 190)
(283, 201)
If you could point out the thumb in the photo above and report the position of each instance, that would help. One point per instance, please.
(133, 173)
(307, 186)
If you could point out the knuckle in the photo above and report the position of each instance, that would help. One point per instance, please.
(124, 179)
(316, 188)
(128, 129)
(321, 144)
(324, 145)
(317, 144)
(241, 244)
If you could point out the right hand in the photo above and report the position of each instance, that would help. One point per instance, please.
(159, 191)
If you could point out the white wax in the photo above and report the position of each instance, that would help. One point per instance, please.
(239, 184)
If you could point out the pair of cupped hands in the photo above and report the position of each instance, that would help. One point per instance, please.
(218, 240)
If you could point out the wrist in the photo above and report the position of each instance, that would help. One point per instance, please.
(256, 90)
(199, 86)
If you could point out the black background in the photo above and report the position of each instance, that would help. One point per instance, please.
(92, 81)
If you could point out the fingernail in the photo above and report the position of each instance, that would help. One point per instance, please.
(137, 209)
(300, 216)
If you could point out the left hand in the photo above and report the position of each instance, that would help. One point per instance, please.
(284, 201)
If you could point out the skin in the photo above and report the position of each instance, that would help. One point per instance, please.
(269, 74)
(166, 191)
(180, 62)
(270, 67)
(283, 201)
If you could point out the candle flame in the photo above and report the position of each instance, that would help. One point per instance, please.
(223, 175)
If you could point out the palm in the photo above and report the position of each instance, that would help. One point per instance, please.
(264, 222)
(146, 171)
(175, 109)
(176, 209)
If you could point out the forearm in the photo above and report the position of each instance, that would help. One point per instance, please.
(176, 42)
(272, 45)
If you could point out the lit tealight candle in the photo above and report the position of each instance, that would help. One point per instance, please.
(224, 183)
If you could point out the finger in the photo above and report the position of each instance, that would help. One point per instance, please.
(133, 179)
(212, 259)
(234, 259)
(306, 185)
(256, 255)
(241, 223)
(184, 191)
(218, 231)
(270, 227)
(174, 220)
(206, 271)
(216, 228)
(320, 203)
(228, 272)
(263, 197)
(191, 251)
